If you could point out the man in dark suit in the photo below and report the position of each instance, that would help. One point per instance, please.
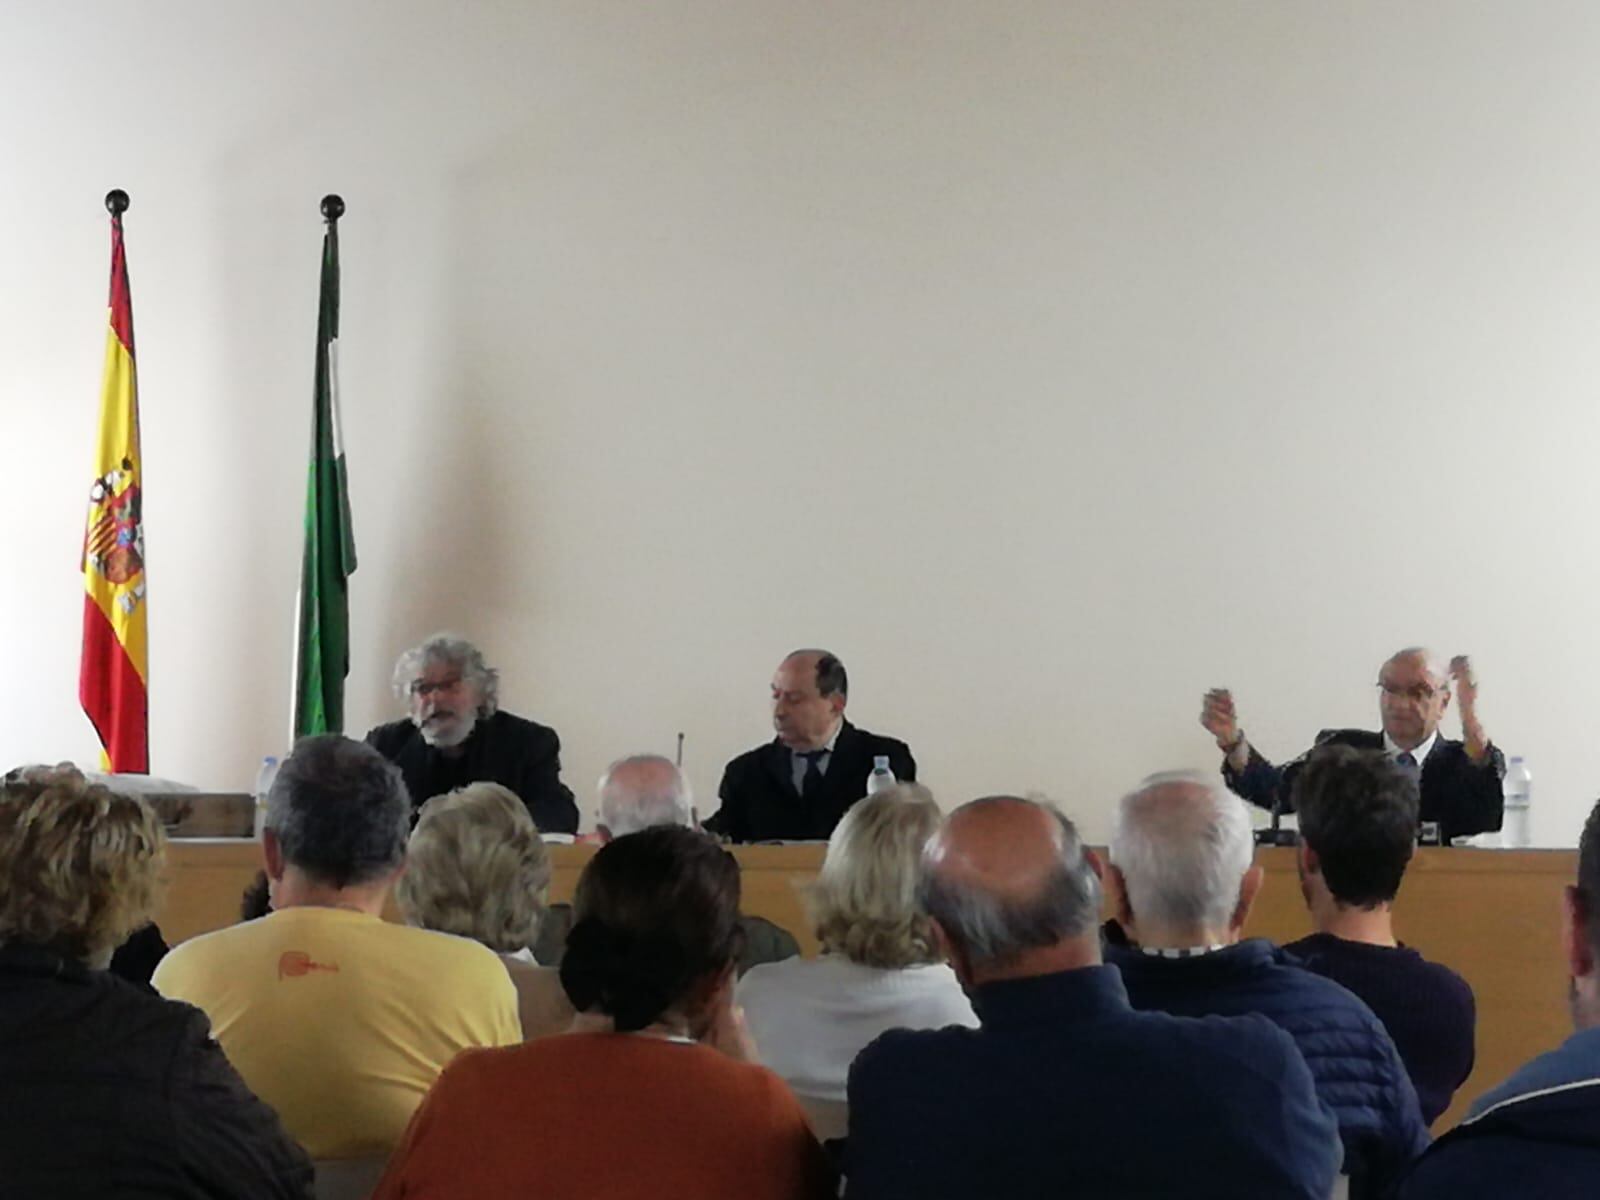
(456, 734)
(798, 786)
(1460, 782)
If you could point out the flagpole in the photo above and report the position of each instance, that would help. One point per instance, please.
(332, 208)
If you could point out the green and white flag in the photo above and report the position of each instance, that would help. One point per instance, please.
(322, 644)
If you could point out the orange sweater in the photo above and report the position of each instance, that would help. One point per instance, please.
(607, 1115)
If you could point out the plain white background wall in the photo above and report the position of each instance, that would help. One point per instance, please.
(1051, 362)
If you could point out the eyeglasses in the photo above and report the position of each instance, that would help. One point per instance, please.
(425, 688)
(1421, 693)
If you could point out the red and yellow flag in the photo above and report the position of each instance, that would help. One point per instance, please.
(114, 670)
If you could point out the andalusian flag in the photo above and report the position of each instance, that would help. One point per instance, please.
(114, 670)
(322, 647)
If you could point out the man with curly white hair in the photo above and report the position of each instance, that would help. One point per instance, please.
(456, 734)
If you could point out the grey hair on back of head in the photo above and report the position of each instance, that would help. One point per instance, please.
(1182, 861)
(626, 810)
(340, 811)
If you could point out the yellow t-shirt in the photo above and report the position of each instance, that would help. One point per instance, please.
(341, 1021)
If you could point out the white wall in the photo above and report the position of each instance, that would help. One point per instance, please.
(1051, 362)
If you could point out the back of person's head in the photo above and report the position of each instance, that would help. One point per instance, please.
(1583, 933)
(864, 902)
(1358, 815)
(655, 917)
(339, 811)
(477, 867)
(80, 865)
(643, 791)
(1005, 876)
(1182, 845)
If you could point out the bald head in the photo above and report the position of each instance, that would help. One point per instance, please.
(1005, 876)
(641, 791)
(1182, 845)
(1001, 846)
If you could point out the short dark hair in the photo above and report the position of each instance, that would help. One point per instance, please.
(831, 675)
(654, 912)
(1589, 874)
(1358, 812)
(340, 811)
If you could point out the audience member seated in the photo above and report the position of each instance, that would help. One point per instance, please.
(1065, 1090)
(880, 968)
(798, 786)
(476, 867)
(109, 1091)
(1358, 821)
(337, 1018)
(456, 733)
(1538, 1133)
(652, 1094)
(1181, 884)
(641, 792)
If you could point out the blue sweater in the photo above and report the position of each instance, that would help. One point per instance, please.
(1536, 1135)
(1358, 1073)
(1066, 1091)
(1427, 1008)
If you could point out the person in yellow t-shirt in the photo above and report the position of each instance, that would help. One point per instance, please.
(338, 1019)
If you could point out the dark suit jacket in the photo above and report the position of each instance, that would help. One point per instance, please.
(760, 803)
(1464, 797)
(521, 755)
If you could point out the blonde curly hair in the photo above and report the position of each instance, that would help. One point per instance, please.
(476, 867)
(80, 865)
(864, 901)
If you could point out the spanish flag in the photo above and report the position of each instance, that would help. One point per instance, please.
(114, 670)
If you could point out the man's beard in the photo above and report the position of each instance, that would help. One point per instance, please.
(450, 733)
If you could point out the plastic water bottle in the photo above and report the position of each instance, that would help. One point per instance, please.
(264, 778)
(881, 777)
(1518, 790)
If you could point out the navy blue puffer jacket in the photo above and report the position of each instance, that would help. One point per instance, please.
(1357, 1071)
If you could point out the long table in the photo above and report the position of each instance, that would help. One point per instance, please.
(1492, 915)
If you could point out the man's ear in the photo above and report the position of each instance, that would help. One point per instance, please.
(838, 700)
(1096, 863)
(952, 954)
(1249, 888)
(1117, 904)
(1310, 864)
(272, 854)
(1575, 928)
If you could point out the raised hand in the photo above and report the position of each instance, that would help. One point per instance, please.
(1220, 719)
(1464, 684)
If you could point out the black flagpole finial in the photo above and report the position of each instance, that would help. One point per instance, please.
(116, 202)
(333, 207)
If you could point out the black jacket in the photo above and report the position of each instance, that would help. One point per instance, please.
(1464, 797)
(760, 802)
(112, 1093)
(521, 755)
